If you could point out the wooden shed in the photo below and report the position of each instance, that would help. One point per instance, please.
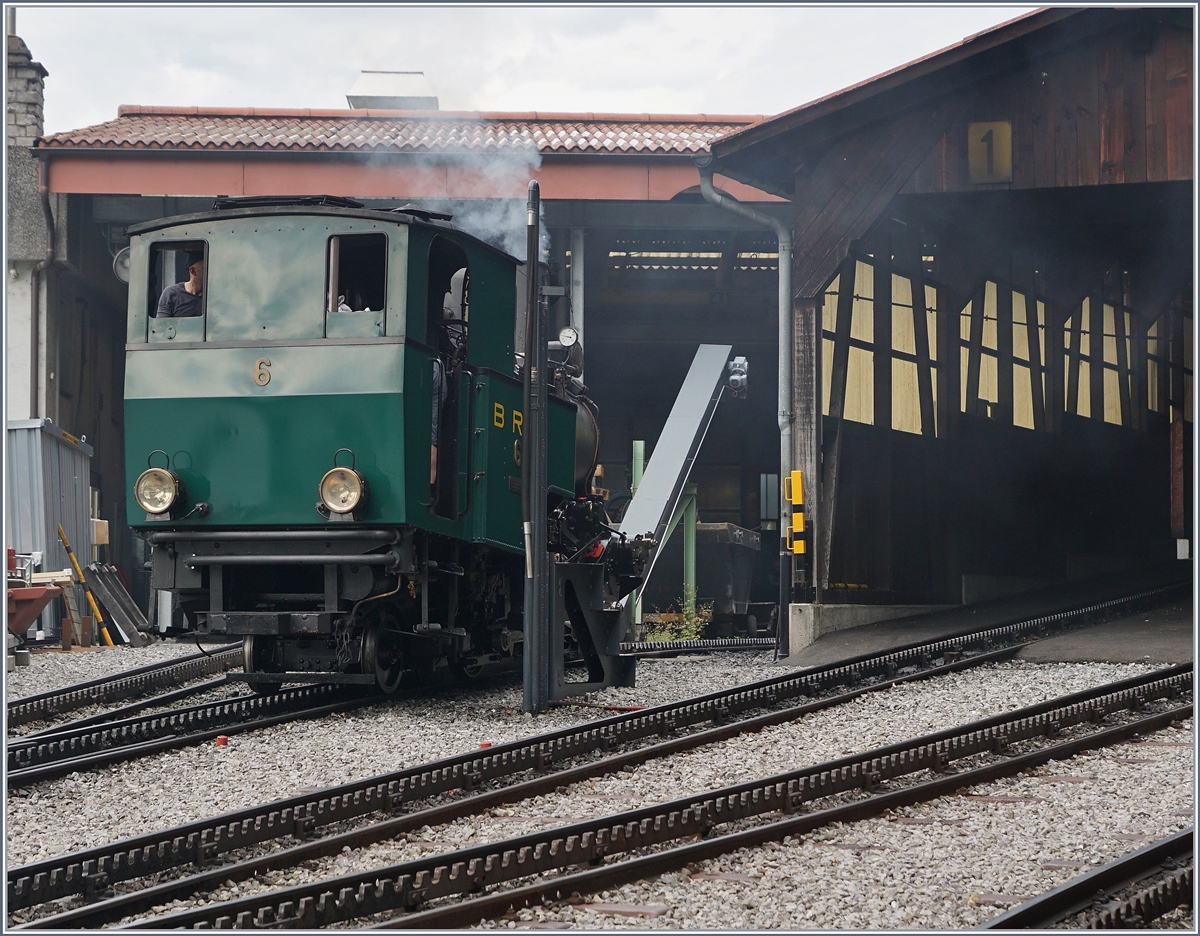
(993, 277)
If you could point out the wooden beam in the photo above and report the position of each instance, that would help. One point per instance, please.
(841, 338)
(921, 339)
(1096, 353)
(883, 336)
(948, 360)
(1055, 368)
(1035, 361)
(1179, 528)
(1122, 366)
(975, 350)
(1139, 388)
(1073, 360)
(1004, 353)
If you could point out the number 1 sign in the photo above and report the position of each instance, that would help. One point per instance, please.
(989, 151)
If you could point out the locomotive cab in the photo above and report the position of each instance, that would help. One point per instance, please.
(323, 437)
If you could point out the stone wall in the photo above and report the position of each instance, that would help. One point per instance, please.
(26, 89)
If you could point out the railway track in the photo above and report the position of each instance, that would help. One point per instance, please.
(129, 684)
(614, 847)
(33, 758)
(94, 871)
(1129, 893)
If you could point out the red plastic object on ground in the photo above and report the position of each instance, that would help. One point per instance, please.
(25, 604)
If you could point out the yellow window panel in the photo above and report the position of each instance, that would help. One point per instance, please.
(906, 400)
(963, 363)
(1085, 390)
(1112, 397)
(987, 378)
(903, 335)
(826, 373)
(860, 387)
(989, 316)
(1022, 397)
(1110, 335)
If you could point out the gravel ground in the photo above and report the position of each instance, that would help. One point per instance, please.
(195, 783)
(949, 864)
(931, 873)
(53, 669)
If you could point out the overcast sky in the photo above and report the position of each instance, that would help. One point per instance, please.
(676, 59)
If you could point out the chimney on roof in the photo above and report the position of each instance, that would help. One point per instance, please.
(392, 90)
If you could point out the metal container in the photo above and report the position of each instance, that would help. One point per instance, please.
(49, 481)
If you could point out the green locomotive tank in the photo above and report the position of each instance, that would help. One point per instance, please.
(323, 437)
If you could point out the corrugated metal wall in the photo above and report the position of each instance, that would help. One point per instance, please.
(49, 477)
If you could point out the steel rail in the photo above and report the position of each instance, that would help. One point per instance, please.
(471, 911)
(113, 714)
(125, 685)
(1080, 893)
(142, 855)
(409, 884)
(116, 908)
(55, 756)
(1148, 905)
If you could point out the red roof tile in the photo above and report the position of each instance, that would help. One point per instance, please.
(351, 131)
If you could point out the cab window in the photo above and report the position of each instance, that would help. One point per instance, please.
(177, 293)
(355, 285)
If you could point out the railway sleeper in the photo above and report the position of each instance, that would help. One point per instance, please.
(527, 857)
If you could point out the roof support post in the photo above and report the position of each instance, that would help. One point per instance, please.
(705, 163)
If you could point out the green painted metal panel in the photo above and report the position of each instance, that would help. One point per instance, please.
(493, 310)
(323, 367)
(496, 481)
(266, 280)
(258, 461)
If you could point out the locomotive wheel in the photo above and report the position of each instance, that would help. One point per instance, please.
(382, 655)
(259, 656)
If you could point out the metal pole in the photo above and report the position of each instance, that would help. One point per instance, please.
(639, 465)
(536, 659)
(689, 551)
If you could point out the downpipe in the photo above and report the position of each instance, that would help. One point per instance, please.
(783, 233)
(35, 287)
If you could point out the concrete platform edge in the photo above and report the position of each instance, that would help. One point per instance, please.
(808, 622)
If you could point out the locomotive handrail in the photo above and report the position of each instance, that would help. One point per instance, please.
(321, 533)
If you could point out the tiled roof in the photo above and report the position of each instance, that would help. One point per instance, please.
(351, 131)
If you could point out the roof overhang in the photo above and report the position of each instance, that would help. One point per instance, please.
(769, 154)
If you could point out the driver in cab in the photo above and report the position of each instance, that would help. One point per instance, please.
(186, 299)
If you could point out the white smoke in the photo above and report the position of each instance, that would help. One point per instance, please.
(497, 215)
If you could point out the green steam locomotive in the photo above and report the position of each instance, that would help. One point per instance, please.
(323, 413)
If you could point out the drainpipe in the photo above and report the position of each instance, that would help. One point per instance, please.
(35, 286)
(704, 163)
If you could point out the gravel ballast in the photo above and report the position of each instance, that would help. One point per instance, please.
(197, 782)
(949, 864)
(831, 879)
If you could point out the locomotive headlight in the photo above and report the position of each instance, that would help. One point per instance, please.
(156, 490)
(343, 490)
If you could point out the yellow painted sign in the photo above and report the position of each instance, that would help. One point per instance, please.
(989, 152)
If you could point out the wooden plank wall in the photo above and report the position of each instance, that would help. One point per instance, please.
(1113, 110)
